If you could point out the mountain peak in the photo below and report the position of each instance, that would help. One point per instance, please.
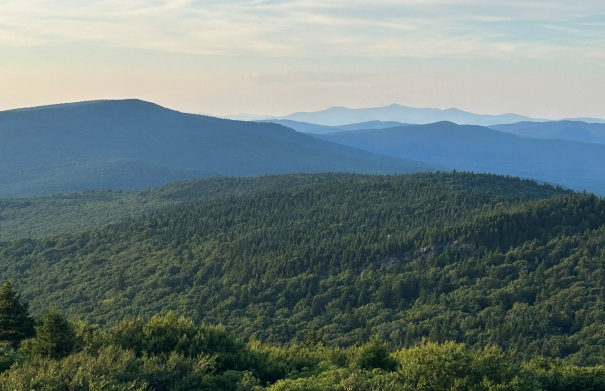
(338, 116)
(130, 102)
(132, 144)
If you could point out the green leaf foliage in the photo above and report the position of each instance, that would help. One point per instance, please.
(171, 352)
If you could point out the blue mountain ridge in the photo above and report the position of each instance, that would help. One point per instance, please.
(132, 144)
(577, 165)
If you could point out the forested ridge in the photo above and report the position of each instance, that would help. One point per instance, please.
(39, 217)
(479, 260)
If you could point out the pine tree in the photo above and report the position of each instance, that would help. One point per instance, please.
(15, 322)
(55, 337)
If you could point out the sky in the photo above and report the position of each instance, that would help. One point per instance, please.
(539, 58)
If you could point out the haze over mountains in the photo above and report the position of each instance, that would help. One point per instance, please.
(338, 116)
(132, 144)
(306, 127)
(335, 116)
(573, 130)
(557, 130)
(573, 164)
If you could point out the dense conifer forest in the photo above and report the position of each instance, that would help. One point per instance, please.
(329, 281)
(39, 217)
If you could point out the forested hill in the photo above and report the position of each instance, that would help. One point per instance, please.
(573, 164)
(38, 217)
(132, 144)
(479, 259)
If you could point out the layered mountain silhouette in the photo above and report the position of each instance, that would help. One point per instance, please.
(305, 127)
(336, 116)
(132, 144)
(573, 164)
(557, 130)
(573, 130)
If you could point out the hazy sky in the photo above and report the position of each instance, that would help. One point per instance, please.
(543, 58)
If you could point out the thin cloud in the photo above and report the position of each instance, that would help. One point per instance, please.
(409, 28)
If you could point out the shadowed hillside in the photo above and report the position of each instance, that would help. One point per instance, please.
(573, 164)
(132, 144)
(557, 130)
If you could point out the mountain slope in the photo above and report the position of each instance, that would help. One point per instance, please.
(557, 130)
(133, 144)
(305, 127)
(336, 116)
(39, 217)
(573, 164)
(478, 259)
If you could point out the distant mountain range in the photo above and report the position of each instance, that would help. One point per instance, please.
(577, 165)
(305, 127)
(338, 116)
(548, 130)
(132, 144)
(557, 130)
(335, 116)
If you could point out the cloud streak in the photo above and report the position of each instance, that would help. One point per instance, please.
(283, 55)
(411, 28)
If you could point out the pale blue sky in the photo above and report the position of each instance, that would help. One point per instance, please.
(538, 58)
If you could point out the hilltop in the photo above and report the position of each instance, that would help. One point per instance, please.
(132, 144)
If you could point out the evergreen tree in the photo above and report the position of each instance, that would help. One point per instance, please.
(15, 322)
(55, 337)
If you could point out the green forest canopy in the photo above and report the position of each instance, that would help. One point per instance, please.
(173, 353)
(480, 260)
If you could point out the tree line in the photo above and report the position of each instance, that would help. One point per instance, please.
(171, 352)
